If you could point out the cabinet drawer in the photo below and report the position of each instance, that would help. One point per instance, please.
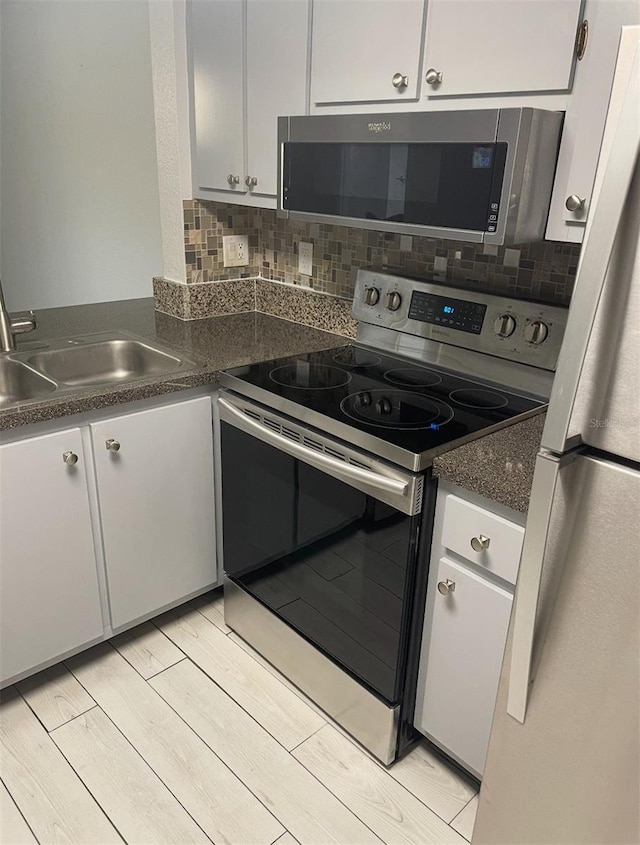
(465, 523)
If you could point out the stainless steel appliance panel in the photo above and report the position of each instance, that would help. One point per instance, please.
(531, 138)
(373, 723)
(570, 772)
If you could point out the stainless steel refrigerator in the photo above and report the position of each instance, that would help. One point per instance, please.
(563, 759)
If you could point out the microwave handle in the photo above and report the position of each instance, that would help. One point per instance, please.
(355, 476)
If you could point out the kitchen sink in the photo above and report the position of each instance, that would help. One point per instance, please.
(65, 365)
(19, 383)
(104, 362)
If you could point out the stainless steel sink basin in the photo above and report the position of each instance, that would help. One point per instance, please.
(103, 362)
(19, 383)
(57, 368)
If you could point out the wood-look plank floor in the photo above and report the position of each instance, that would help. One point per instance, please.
(179, 732)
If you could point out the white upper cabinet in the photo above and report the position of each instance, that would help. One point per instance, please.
(587, 111)
(217, 57)
(499, 46)
(366, 50)
(248, 66)
(277, 41)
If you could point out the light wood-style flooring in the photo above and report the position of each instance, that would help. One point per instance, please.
(178, 732)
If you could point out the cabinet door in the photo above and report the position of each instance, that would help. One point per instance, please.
(156, 506)
(459, 674)
(216, 46)
(587, 111)
(49, 600)
(277, 36)
(493, 46)
(359, 45)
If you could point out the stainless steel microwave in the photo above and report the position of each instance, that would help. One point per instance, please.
(483, 176)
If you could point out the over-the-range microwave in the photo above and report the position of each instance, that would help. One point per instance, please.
(483, 176)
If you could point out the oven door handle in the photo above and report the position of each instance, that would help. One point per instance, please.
(393, 490)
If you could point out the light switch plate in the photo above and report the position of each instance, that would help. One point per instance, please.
(235, 250)
(305, 258)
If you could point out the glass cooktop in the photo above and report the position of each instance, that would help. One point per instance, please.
(416, 409)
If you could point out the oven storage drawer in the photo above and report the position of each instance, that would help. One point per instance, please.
(484, 538)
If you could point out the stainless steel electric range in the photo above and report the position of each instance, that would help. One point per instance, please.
(327, 492)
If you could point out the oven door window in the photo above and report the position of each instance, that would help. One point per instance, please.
(448, 185)
(330, 561)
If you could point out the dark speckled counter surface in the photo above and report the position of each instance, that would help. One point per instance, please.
(218, 343)
(499, 465)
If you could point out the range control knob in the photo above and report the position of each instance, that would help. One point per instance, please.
(371, 296)
(394, 300)
(504, 325)
(536, 332)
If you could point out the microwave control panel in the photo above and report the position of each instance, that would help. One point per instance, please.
(528, 332)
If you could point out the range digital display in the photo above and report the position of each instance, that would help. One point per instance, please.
(445, 311)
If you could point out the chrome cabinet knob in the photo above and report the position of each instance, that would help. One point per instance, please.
(504, 325)
(445, 587)
(479, 544)
(575, 203)
(70, 458)
(251, 181)
(433, 76)
(233, 180)
(112, 445)
(394, 300)
(399, 80)
(371, 296)
(536, 332)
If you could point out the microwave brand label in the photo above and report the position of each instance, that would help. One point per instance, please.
(383, 126)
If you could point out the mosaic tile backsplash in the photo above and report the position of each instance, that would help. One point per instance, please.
(544, 271)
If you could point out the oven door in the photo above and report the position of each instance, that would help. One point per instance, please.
(323, 536)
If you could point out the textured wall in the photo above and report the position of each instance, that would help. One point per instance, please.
(544, 271)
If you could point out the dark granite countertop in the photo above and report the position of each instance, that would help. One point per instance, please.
(218, 342)
(499, 465)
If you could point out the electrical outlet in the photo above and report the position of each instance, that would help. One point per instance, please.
(235, 250)
(305, 258)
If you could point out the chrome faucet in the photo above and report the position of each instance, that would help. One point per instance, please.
(11, 326)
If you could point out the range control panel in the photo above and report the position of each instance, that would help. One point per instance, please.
(528, 332)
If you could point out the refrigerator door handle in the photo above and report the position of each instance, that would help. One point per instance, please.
(617, 173)
(528, 632)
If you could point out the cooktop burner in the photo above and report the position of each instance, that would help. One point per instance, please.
(388, 405)
(355, 358)
(413, 377)
(399, 409)
(303, 375)
(477, 398)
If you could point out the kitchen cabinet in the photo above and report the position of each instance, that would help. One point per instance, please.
(491, 47)
(366, 50)
(216, 41)
(585, 117)
(49, 595)
(473, 569)
(101, 525)
(248, 66)
(468, 635)
(154, 473)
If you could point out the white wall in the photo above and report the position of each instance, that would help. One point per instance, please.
(80, 218)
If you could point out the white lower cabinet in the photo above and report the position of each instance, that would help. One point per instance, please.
(74, 515)
(466, 644)
(156, 506)
(49, 596)
(475, 555)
